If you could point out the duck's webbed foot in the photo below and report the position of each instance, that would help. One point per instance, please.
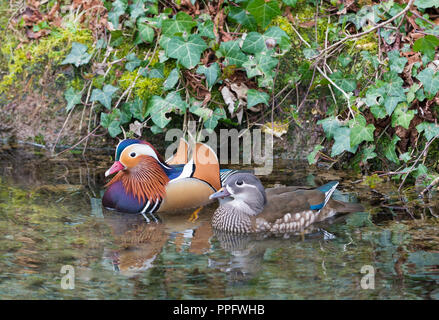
(194, 215)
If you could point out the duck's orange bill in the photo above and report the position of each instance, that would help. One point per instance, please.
(221, 193)
(116, 167)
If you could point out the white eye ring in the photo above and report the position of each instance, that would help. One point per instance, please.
(132, 154)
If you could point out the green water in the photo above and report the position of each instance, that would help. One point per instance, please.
(51, 215)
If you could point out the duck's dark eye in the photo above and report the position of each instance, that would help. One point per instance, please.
(132, 154)
(239, 183)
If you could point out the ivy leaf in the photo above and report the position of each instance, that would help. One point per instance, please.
(137, 9)
(212, 121)
(291, 3)
(172, 79)
(411, 93)
(254, 43)
(279, 35)
(205, 29)
(104, 96)
(138, 109)
(232, 53)
(78, 55)
(125, 113)
(174, 101)
(132, 62)
(361, 132)
(378, 111)
(424, 4)
(330, 125)
(372, 59)
(402, 117)
(239, 15)
(118, 9)
(342, 141)
(347, 83)
(389, 148)
(188, 52)
(263, 11)
(426, 45)
(430, 130)
(255, 97)
(72, 97)
(158, 109)
(344, 60)
(312, 156)
(211, 73)
(144, 34)
(429, 79)
(111, 121)
(397, 63)
(202, 112)
(182, 23)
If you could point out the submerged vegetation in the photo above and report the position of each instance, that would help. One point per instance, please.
(362, 74)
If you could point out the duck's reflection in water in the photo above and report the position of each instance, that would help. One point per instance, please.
(138, 244)
(247, 251)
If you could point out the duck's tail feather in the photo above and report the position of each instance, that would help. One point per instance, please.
(345, 207)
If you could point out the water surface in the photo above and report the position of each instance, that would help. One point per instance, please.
(51, 215)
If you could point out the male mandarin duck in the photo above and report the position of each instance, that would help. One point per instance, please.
(246, 207)
(145, 183)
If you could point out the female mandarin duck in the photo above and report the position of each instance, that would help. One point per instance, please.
(246, 207)
(145, 183)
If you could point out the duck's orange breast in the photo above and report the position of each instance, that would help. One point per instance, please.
(186, 193)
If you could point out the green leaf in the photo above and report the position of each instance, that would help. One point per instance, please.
(411, 93)
(211, 73)
(104, 96)
(255, 97)
(72, 97)
(397, 63)
(172, 79)
(78, 56)
(232, 53)
(402, 116)
(342, 141)
(205, 29)
(389, 148)
(347, 83)
(118, 9)
(263, 11)
(182, 23)
(430, 130)
(281, 37)
(291, 3)
(424, 4)
(372, 59)
(430, 80)
(145, 33)
(427, 45)
(344, 60)
(212, 121)
(239, 15)
(188, 52)
(312, 156)
(361, 132)
(132, 62)
(114, 129)
(254, 43)
(330, 125)
(138, 109)
(158, 109)
(378, 111)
